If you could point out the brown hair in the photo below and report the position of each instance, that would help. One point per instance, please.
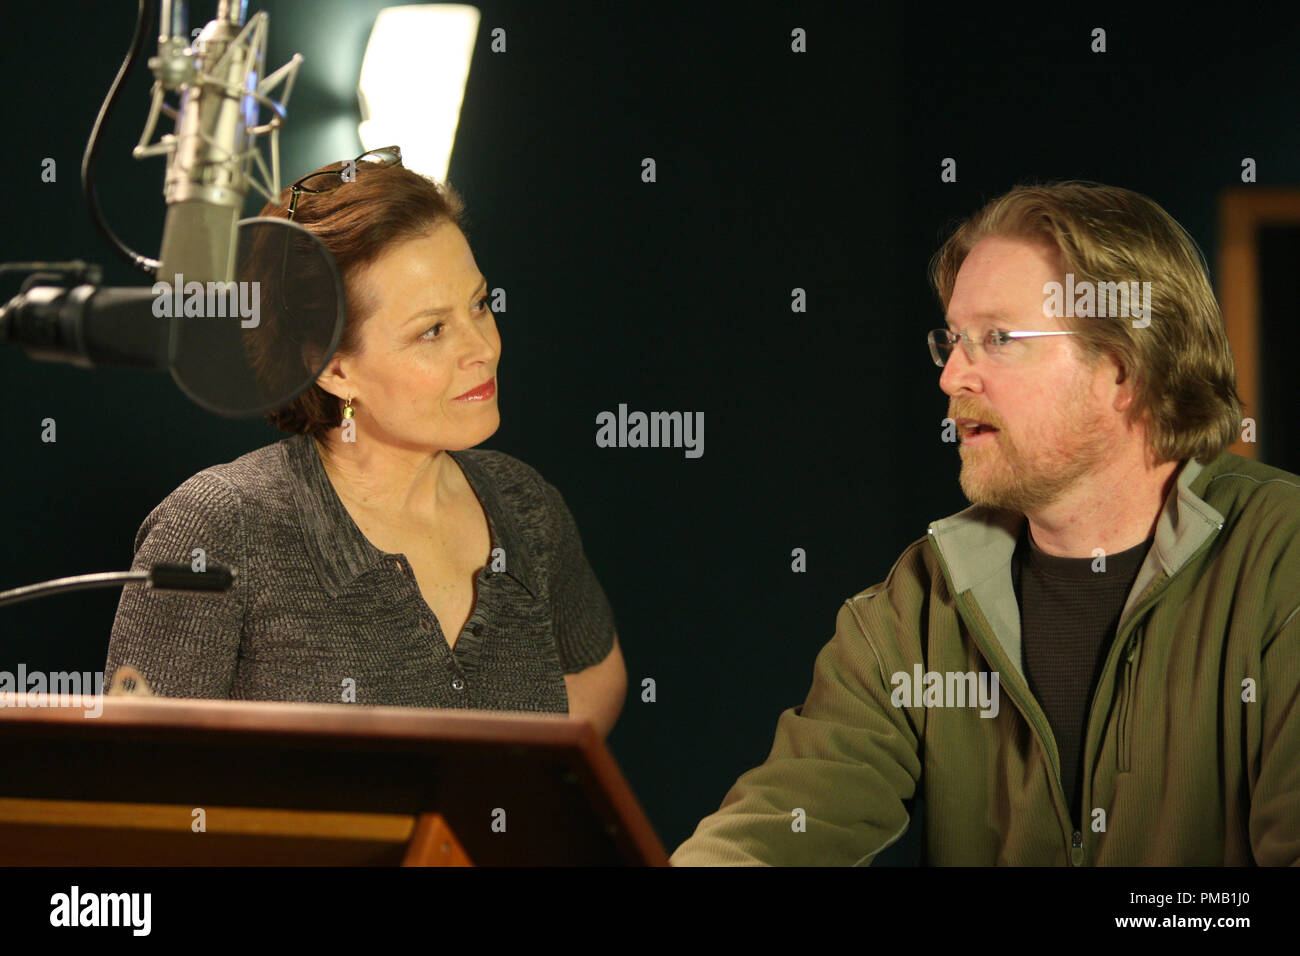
(1184, 377)
(357, 223)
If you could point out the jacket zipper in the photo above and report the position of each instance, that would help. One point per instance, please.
(1125, 749)
(1074, 852)
(1147, 601)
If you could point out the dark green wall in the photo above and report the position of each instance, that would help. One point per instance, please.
(775, 171)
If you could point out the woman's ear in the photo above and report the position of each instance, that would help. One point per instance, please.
(332, 377)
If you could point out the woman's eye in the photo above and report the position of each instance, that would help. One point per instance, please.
(435, 329)
(482, 305)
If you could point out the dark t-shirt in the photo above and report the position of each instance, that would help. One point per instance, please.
(1069, 616)
(317, 613)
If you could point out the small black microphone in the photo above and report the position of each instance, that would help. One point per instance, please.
(180, 577)
(168, 577)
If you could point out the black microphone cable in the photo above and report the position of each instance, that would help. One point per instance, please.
(147, 12)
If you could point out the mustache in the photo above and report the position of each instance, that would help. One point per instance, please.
(979, 416)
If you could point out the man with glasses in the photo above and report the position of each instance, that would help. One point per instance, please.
(1098, 661)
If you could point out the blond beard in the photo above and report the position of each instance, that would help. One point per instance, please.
(1001, 475)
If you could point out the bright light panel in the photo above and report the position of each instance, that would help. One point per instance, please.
(413, 82)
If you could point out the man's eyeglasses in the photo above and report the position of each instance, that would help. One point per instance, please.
(327, 182)
(997, 345)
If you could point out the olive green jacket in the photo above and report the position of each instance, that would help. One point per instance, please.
(1192, 746)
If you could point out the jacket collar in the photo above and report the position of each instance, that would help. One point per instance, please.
(976, 545)
(340, 553)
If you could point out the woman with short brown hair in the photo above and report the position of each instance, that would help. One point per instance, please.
(380, 558)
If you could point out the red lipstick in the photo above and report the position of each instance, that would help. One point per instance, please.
(480, 394)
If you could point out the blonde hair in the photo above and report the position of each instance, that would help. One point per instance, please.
(1184, 377)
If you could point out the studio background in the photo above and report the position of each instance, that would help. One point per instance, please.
(775, 171)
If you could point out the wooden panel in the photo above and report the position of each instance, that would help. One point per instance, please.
(1241, 212)
(95, 833)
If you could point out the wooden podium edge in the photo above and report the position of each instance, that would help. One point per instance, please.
(432, 839)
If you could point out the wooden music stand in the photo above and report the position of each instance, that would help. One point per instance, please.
(172, 782)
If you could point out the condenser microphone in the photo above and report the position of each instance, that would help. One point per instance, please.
(207, 167)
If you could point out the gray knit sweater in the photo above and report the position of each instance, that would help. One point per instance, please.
(318, 613)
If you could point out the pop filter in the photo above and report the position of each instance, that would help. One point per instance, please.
(251, 346)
